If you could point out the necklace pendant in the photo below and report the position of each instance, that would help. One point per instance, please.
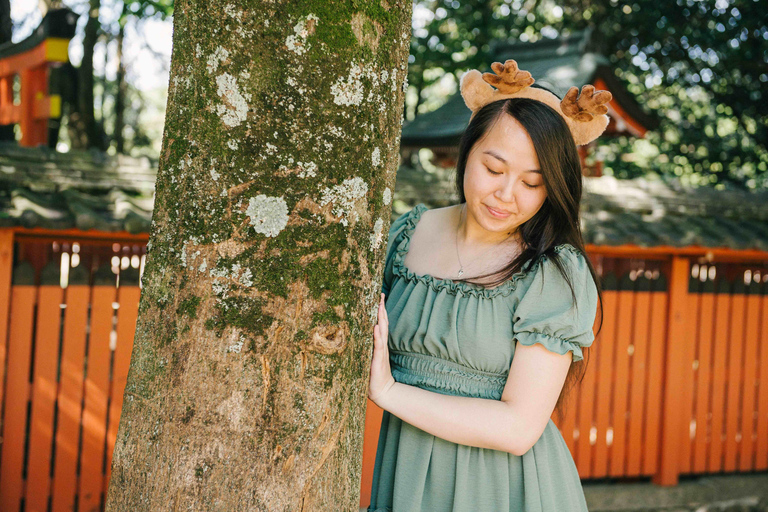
(461, 271)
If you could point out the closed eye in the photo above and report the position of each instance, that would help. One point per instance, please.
(498, 173)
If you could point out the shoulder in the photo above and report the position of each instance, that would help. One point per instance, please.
(557, 273)
(433, 221)
(570, 258)
(428, 219)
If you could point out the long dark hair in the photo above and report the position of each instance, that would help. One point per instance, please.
(557, 221)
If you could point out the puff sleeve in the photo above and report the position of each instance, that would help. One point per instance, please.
(395, 231)
(546, 313)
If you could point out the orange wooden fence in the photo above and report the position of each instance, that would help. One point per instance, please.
(677, 381)
(65, 361)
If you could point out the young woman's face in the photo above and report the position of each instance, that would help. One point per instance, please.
(503, 185)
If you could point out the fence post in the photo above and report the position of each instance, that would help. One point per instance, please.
(674, 376)
(6, 269)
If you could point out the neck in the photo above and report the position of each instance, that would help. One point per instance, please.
(472, 233)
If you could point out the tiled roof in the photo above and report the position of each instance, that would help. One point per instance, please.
(651, 212)
(86, 190)
(89, 190)
(556, 64)
(647, 212)
(58, 22)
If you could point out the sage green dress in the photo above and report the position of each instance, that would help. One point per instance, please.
(458, 339)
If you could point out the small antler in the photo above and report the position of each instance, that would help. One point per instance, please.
(508, 79)
(588, 105)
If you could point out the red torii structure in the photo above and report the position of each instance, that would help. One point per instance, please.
(31, 60)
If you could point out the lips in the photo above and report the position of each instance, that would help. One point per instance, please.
(497, 213)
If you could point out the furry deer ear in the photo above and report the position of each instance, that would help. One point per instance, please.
(475, 91)
(508, 78)
(587, 106)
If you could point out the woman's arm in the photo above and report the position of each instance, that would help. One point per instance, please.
(512, 424)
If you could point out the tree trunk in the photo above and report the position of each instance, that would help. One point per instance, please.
(120, 95)
(249, 375)
(86, 118)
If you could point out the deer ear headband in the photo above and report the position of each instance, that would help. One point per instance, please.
(585, 114)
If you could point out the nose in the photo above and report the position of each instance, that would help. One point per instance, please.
(505, 193)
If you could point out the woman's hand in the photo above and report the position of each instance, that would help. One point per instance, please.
(381, 375)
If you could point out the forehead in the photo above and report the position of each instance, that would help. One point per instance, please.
(508, 139)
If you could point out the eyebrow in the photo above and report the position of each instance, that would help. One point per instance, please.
(504, 161)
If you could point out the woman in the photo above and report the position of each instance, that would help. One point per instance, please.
(466, 425)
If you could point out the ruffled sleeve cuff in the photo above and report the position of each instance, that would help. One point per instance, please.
(554, 344)
(546, 312)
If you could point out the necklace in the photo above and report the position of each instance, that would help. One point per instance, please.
(458, 225)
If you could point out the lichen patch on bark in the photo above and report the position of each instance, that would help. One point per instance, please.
(268, 215)
(347, 199)
(235, 108)
(297, 42)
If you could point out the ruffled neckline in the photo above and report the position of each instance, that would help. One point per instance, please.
(449, 285)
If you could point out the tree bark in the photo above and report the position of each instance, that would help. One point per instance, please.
(249, 374)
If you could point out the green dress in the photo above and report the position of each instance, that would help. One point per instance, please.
(457, 339)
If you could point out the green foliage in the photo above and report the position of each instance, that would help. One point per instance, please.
(700, 66)
(147, 9)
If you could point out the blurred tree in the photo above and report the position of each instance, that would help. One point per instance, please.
(701, 65)
(82, 120)
(450, 36)
(45, 5)
(131, 9)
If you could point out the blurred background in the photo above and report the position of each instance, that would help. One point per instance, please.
(697, 68)
(121, 54)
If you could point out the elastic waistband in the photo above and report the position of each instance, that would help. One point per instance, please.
(445, 377)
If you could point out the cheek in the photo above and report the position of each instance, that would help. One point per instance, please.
(470, 183)
(532, 202)
(474, 181)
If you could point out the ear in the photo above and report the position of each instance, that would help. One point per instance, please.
(475, 91)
